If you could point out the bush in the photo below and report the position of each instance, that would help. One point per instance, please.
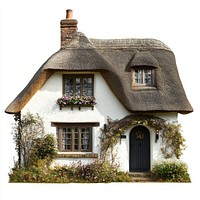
(170, 171)
(36, 175)
(43, 151)
(96, 172)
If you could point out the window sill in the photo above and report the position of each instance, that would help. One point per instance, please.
(77, 155)
(143, 87)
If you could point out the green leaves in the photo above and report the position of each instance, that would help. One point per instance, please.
(95, 172)
(31, 141)
(25, 130)
(170, 171)
(173, 141)
(43, 149)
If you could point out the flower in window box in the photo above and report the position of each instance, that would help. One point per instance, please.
(76, 100)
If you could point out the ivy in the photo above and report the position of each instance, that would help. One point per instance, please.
(172, 139)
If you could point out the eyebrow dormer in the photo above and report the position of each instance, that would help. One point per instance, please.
(143, 67)
(143, 58)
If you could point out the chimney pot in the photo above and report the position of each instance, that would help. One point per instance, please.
(69, 14)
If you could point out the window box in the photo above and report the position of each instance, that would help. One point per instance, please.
(76, 101)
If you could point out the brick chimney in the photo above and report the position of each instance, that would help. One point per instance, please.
(68, 27)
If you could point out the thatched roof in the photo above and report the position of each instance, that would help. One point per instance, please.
(114, 59)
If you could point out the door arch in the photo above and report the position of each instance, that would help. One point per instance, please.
(139, 148)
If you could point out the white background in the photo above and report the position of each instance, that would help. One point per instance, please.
(30, 33)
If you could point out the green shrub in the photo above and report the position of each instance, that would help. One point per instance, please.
(45, 147)
(99, 171)
(170, 171)
(95, 172)
(36, 175)
(43, 150)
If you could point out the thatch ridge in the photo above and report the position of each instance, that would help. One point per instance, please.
(140, 44)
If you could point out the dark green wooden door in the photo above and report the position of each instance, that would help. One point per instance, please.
(139, 149)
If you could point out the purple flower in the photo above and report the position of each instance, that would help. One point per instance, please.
(76, 100)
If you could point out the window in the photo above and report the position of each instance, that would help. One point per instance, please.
(78, 85)
(74, 137)
(143, 77)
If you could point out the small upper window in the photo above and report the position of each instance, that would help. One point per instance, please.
(78, 85)
(143, 77)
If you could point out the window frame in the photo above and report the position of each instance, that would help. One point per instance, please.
(59, 128)
(74, 76)
(143, 84)
(60, 143)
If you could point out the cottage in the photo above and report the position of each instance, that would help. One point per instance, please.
(89, 80)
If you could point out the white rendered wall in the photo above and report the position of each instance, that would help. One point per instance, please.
(44, 103)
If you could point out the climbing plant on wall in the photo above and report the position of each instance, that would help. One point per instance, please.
(172, 139)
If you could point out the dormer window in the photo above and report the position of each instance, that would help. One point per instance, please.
(143, 77)
(143, 67)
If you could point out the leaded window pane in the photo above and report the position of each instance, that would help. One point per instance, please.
(138, 76)
(76, 139)
(69, 86)
(66, 139)
(148, 77)
(57, 137)
(87, 87)
(78, 87)
(85, 138)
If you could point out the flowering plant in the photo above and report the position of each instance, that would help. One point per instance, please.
(76, 100)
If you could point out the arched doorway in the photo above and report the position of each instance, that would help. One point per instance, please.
(139, 157)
